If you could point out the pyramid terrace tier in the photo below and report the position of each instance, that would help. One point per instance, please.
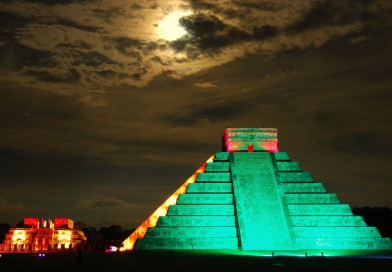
(197, 221)
(176, 243)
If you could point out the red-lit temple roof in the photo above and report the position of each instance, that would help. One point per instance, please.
(250, 139)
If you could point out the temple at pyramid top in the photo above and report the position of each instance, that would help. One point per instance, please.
(252, 197)
(250, 139)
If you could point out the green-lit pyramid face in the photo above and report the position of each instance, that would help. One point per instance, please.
(254, 198)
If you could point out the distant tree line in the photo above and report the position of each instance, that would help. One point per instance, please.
(102, 239)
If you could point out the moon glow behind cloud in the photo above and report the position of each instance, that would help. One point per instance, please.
(169, 27)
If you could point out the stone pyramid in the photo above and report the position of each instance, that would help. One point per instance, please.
(251, 197)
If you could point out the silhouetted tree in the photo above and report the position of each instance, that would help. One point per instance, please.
(114, 235)
(4, 228)
(125, 233)
(80, 225)
(94, 239)
(20, 224)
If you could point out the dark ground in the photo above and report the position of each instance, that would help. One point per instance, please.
(169, 261)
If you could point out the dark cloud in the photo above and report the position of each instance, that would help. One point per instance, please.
(206, 32)
(263, 32)
(59, 2)
(70, 76)
(202, 24)
(76, 25)
(15, 56)
(90, 58)
(361, 144)
(208, 112)
(10, 22)
(209, 33)
(235, 9)
(88, 172)
(24, 108)
(129, 47)
(6, 205)
(221, 111)
(99, 201)
(200, 5)
(184, 144)
(326, 12)
(16, 163)
(257, 5)
(323, 118)
(137, 6)
(110, 14)
(183, 120)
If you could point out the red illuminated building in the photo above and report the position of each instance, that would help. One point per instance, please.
(43, 235)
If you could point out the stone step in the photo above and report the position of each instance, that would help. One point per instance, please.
(281, 156)
(221, 156)
(311, 198)
(319, 209)
(285, 166)
(187, 243)
(214, 177)
(295, 177)
(261, 218)
(253, 137)
(197, 221)
(209, 188)
(201, 210)
(336, 232)
(246, 131)
(217, 167)
(344, 243)
(311, 187)
(205, 199)
(188, 232)
(327, 220)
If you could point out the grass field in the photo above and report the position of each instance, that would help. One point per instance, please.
(175, 261)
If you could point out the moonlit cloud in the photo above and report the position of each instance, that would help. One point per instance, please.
(206, 85)
(103, 43)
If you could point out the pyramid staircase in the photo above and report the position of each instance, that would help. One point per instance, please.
(253, 197)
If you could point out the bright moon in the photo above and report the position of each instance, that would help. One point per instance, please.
(169, 27)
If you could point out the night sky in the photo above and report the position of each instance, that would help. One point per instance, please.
(107, 107)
